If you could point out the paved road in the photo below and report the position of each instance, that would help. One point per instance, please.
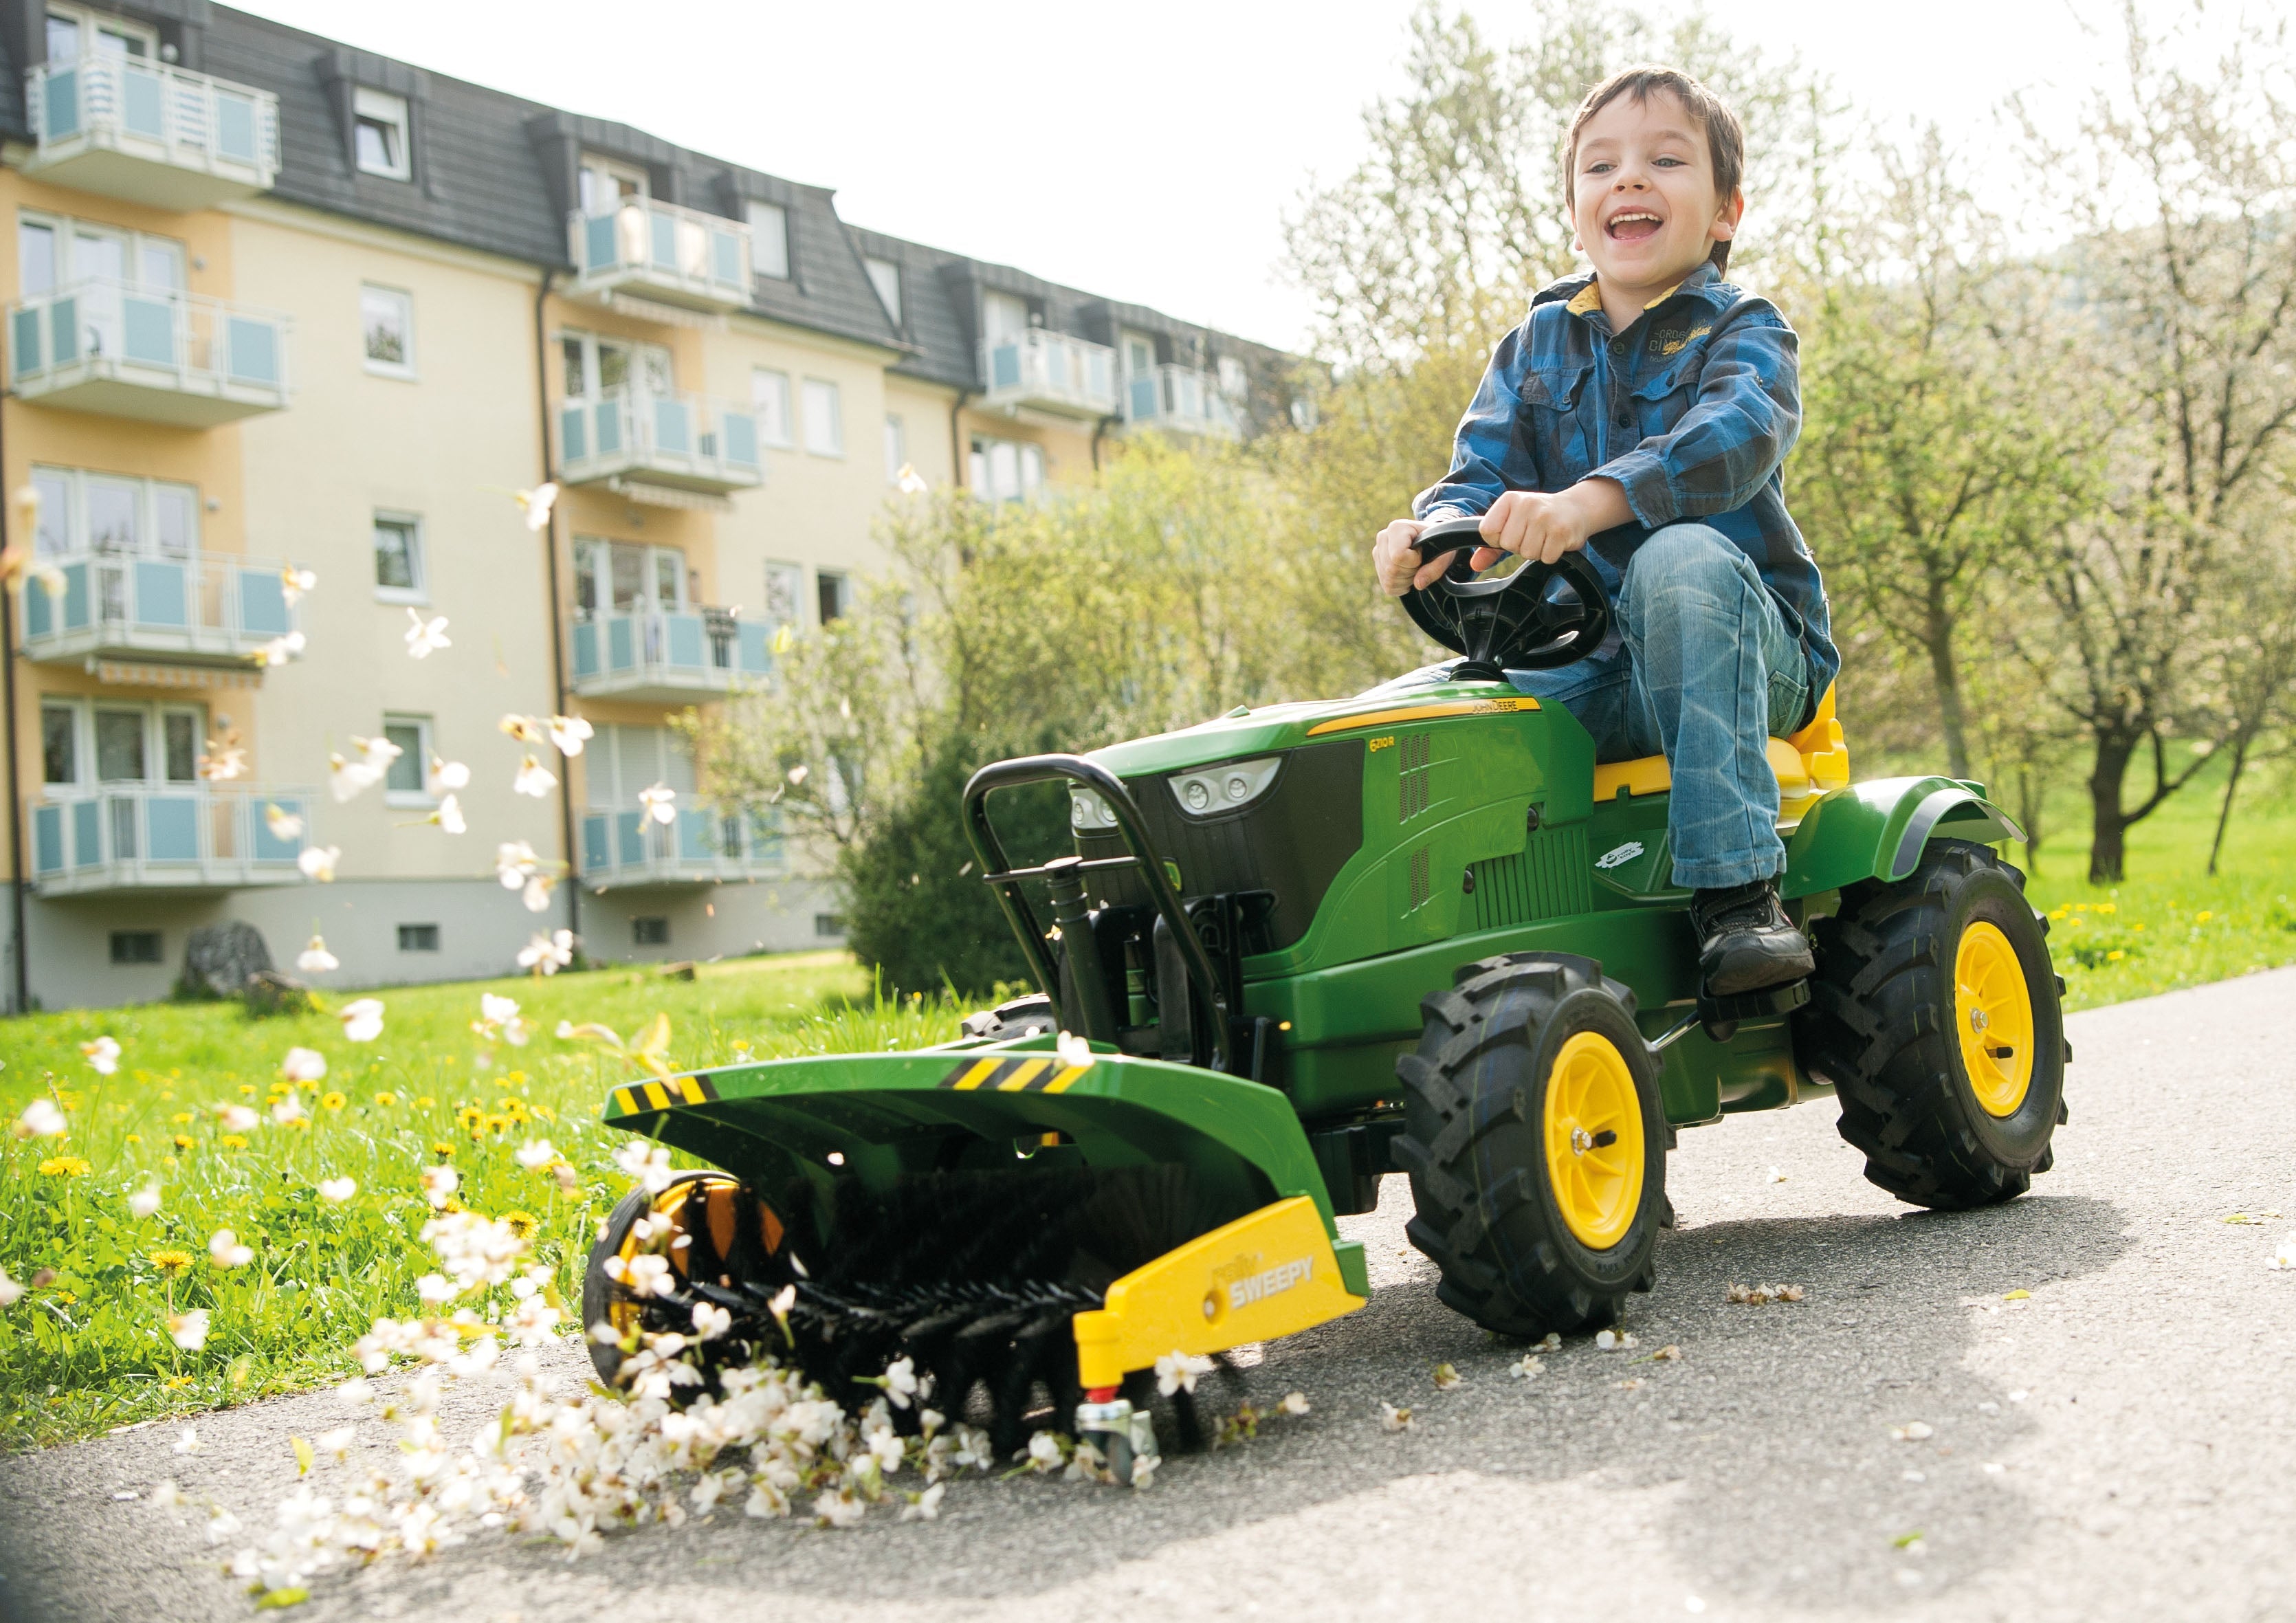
(2121, 1445)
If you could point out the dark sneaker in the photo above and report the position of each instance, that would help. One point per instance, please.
(1745, 942)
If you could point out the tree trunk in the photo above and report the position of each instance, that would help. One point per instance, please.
(2030, 790)
(2224, 812)
(1936, 637)
(2108, 824)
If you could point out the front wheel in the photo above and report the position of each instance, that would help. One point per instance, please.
(1935, 1014)
(1535, 1143)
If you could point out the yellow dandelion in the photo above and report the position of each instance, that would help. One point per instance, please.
(301, 1124)
(136, 1138)
(333, 1101)
(176, 1383)
(182, 1118)
(65, 1166)
(500, 1124)
(2115, 956)
(516, 1077)
(426, 1103)
(386, 1100)
(183, 1142)
(543, 1112)
(442, 1149)
(2202, 917)
(168, 1260)
(521, 1222)
(247, 1090)
(231, 1140)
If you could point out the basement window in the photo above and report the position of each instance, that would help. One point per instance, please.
(418, 937)
(650, 931)
(135, 947)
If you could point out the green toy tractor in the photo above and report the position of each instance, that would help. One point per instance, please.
(1298, 948)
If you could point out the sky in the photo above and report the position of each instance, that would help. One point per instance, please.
(1148, 154)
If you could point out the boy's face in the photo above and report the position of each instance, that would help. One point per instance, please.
(1643, 204)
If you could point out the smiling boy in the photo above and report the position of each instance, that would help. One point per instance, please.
(1642, 412)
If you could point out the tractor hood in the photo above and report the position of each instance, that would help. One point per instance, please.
(1243, 732)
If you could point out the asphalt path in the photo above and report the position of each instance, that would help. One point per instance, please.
(2120, 1444)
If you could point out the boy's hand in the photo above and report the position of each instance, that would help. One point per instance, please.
(1541, 527)
(1395, 559)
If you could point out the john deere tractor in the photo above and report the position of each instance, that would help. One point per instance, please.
(1298, 947)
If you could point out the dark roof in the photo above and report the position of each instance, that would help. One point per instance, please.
(497, 173)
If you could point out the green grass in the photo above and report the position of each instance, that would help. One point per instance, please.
(88, 1350)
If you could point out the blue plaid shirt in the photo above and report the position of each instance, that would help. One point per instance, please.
(1693, 424)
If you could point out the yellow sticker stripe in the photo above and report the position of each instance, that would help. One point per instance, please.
(656, 1095)
(690, 1086)
(626, 1103)
(1425, 712)
(969, 1076)
(1060, 1084)
(1020, 1076)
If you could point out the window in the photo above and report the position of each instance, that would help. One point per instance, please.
(1005, 316)
(825, 418)
(604, 183)
(35, 257)
(784, 588)
(72, 34)
(403, 781)
(593, 366)
(179, 745)
(379, 135)
(827, 924)
(102, 513)
(769, 239)
(896, 447)
(769, 398)
(650, 932)
(399, 574)
(58, 745)
(1234, 382)
(835, 593)
(620, 761)
(387, 322)
(623, 577)
(885, 277)
(418, 937)
(135, 947)
(1006, 470)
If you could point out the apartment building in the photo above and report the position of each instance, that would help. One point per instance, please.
(277, 306)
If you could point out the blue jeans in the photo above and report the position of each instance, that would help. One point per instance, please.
(1701, 669)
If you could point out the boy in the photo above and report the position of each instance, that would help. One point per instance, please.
(1642, 413)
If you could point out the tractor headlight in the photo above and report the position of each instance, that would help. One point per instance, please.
(1214, 790)
(1088, 813)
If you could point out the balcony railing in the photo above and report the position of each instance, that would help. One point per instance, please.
(147, 353)
(1180, 400)
(662, 252)
(202, 608)
(704, 846)
(149, 132)
(677, 440)
(164, 837)
(1051, 372)
(669, 657)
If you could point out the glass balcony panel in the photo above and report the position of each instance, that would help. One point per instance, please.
(126, 350)
(594, 843)
(149, 132)
(195, 607)
(172, 821)
(160, 597)
(87, 835)
(586, 649)
(684, 640)
(47, 840)
(662, 252)
(1051, 372)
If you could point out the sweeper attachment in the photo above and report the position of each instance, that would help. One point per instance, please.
(1291, 951)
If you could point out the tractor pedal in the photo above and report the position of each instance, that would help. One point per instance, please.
(1721, 1015)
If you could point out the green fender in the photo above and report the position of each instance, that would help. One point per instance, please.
(1876, 829)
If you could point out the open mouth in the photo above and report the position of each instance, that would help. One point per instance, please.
(1633, 225)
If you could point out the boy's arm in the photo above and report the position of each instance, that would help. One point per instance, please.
(1728, 443)
(1487, 457)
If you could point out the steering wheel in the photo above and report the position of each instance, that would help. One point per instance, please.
(1542, 616)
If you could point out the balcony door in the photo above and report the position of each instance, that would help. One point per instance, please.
(154, 749)
(604, 183)
(1140, 393)
(623, 577)
(73, 34)
(595, 364)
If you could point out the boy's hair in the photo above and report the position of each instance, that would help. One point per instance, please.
(1726, 138)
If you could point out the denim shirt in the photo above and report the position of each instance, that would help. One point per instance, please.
(1692, 423)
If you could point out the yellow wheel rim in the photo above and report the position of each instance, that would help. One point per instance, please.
(1593, 1140)
(1993, 1016)
(715, 1209)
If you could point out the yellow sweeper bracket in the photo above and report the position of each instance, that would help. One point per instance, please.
(1266, 1275)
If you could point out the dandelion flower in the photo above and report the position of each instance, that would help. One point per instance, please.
(102, 1056)
(315, 959)
(303, 1065)
(189, 1330)
(143, 1202)
(334, 1100)
(168, 1259)
(318, 862)
(225, 1251)
(533, 778)
(425, 637)
(362, 1020)
(335, 1191)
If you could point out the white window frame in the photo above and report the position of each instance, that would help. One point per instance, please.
(981, 464)
(74, 528)
(600, 169)
(824, 433)
(404, 300)
(897, 446)
(418, 558)
(154, 713)
(885, 277)
(769, 380)
(598, 551)
(769, 239)
(842, 582)
(671, 763)
(67, 230)
(90, 26)
(640, 353)
(372, 106)
(419, 797)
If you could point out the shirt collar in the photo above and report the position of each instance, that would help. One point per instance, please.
(1589, 299)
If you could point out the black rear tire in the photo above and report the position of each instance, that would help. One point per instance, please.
(604, 1300)
(1478, 1115)
(1884, 1026)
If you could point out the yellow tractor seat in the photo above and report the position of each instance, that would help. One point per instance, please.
(1809, 764)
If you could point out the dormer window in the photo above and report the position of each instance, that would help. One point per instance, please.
(769, 240)
(885, 277)
(380, 134)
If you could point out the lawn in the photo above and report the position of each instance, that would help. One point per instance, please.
(87, 1349)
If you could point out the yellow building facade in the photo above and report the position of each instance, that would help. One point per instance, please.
(288, 325)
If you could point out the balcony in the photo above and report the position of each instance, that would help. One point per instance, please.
(1049, 371)
(150, 354)
(171, 836)
(627, 438)
(682, 658)
(624, 850)
(1180, 400)
(149, 132)
(193, 607)
(659, 252)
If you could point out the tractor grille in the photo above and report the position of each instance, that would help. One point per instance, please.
(1414, 771)
(1421, 881)
(1550, 879)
